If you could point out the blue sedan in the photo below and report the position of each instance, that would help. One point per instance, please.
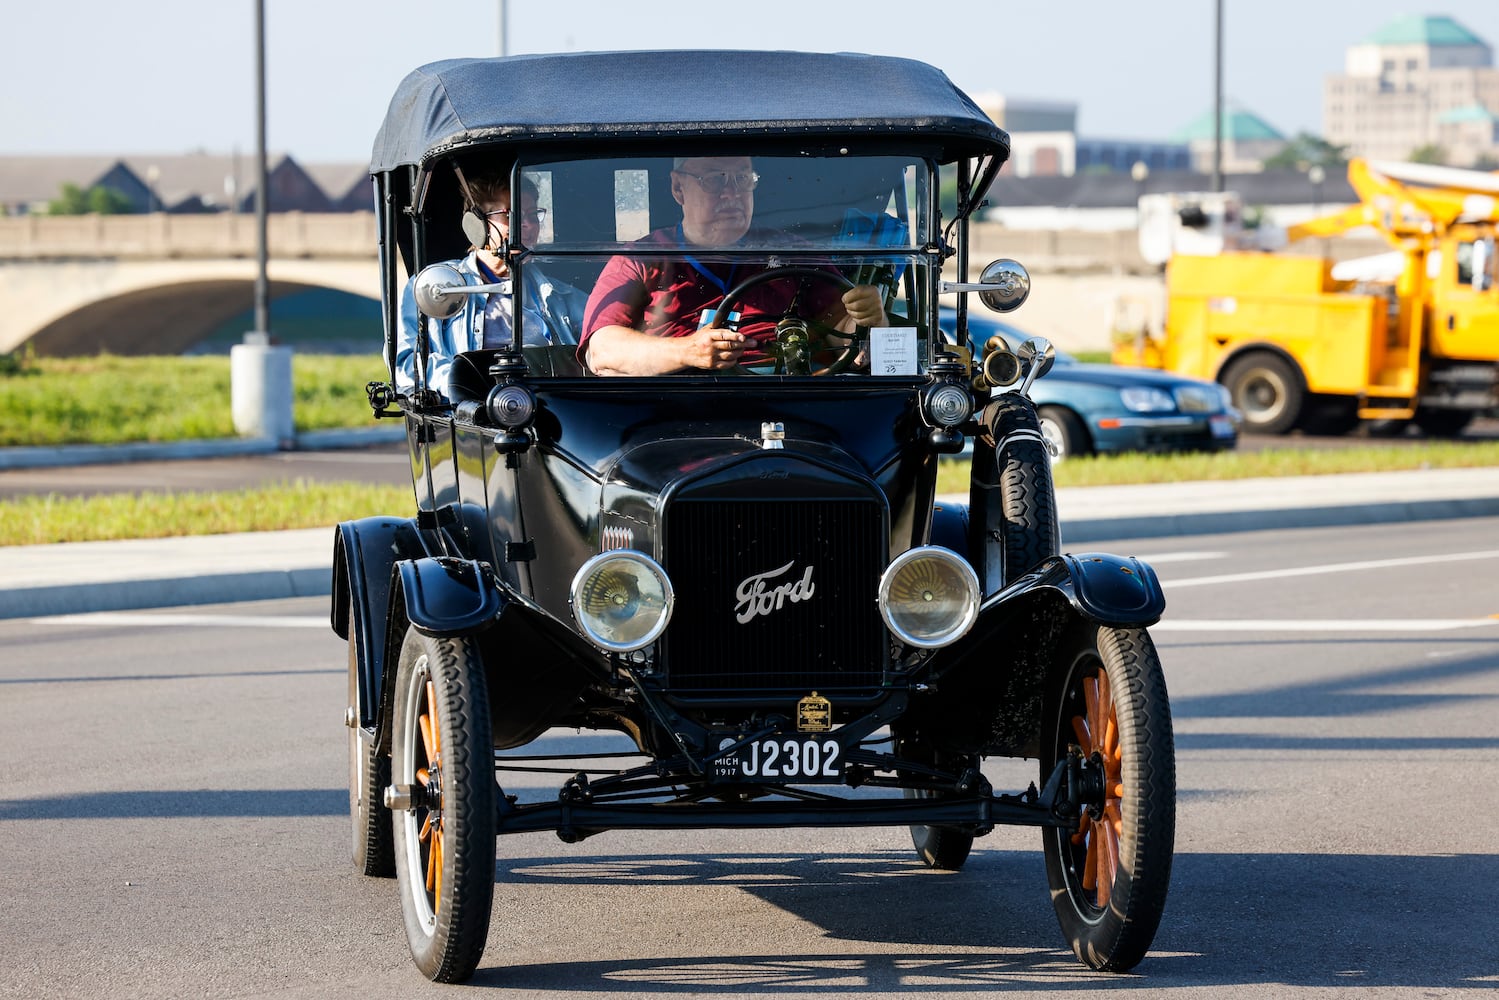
(1087, 409)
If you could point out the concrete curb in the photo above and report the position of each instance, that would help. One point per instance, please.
(148, 451)
(115, 576)
(183, 591)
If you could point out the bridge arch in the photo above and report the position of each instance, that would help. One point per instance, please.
(138, 307)
(165, 319)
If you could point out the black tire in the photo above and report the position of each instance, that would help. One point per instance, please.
(1111, 923)
(1330, 415)
(1443, 423)
(1066, 431)
(941, 847)
(445, 902)
(1268, 390)
(1029, 526)
(369, 772)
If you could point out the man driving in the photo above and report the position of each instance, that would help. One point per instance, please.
(654, 317)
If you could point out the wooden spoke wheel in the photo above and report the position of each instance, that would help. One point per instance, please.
(443, 763)
(1097, 836)
(1110, 871)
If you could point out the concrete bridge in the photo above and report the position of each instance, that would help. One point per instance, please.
(157, 284)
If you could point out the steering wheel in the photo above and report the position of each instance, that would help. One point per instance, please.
(792, 350)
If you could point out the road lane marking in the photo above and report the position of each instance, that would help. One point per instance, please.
(1166, 557)
(1320, 624)
(1275, 574)
(113, 618)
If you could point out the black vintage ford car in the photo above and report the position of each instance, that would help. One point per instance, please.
(745, 567)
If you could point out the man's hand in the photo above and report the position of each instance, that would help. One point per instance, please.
(865, 306)
(713, 348)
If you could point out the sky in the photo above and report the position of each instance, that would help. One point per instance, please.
(178, 76)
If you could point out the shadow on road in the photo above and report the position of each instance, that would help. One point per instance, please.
(1362, 921)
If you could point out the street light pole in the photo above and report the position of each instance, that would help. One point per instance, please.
(260, 377)
(1317, 175)
(262, 286)
(504, 20)
(1218, 97)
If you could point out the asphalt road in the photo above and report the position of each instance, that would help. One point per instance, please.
(388, 465)
(175, 817)
(382, 465)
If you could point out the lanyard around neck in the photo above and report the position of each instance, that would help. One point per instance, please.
(700, 268)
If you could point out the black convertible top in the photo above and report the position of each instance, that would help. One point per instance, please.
(457, 102)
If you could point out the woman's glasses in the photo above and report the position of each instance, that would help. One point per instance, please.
(536, 217)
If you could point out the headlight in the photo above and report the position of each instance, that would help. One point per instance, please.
(1146, 399)
(1197, 398)
(622, 599)
(511, 405)
(929, 596)
(948, 405)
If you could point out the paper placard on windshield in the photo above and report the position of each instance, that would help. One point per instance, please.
(892, 350)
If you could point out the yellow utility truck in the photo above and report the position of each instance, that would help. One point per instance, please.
(1407, 336)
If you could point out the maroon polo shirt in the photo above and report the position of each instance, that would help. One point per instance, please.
(666, 298)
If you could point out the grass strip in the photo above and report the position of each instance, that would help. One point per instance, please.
(1129, 469)
(106, 399)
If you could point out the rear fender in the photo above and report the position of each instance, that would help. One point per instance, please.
(363, 553)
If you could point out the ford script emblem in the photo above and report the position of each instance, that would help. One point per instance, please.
(761, 594)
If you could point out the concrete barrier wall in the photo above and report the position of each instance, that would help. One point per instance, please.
(352, 234)
(177, 237)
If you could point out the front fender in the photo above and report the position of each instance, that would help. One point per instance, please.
(446, 596)
(1113, 590)
(1119, 591)
(988, 686)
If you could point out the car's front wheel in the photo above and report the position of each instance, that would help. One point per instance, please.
(1064, 432)
(443, 766)
(1109, 873)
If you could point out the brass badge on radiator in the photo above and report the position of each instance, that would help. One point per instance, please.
(814, 714)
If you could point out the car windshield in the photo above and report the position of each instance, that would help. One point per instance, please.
(656, 244)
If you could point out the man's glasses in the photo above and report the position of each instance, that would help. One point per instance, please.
(537, 217)
(721, 180)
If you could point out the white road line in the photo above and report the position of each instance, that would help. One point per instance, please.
(114, 618)
(1322, 624)
(1275, 574)
(1168, 557)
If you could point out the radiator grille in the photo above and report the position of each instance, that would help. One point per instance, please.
(720, 552)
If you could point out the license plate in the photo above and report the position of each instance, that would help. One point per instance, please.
(781, 759)
(1222, 427)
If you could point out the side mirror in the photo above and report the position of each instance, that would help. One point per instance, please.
(439, 291)
(1010, 284)
(1037, 355)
